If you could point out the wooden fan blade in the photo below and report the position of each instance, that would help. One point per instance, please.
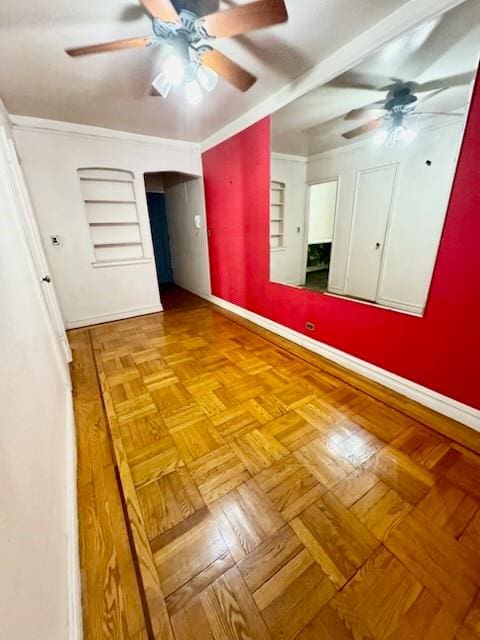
(445, 83)
(162, 9)
(229, 70)
(116, 45)
(247, 17)
(362, 81)
(365, 128)
(438, 113)
(370, 110)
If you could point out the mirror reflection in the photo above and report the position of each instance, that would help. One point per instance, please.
(362, 167)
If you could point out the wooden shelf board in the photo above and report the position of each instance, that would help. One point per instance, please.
(113, 224)
(106, 180)
(110, 202)
(103, 245)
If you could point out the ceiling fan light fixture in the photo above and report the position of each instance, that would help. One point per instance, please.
(397, 132)
(410, 135)
(174, 69)
(162, 85)
(194, 92)
(395, 135)
(207, 78)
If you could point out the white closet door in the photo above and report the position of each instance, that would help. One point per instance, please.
(372, 205)
(20, 196)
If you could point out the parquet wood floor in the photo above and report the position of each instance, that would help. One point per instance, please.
(263, 497)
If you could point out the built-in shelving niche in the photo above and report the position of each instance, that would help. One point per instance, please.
(112, 215)
(277, 214)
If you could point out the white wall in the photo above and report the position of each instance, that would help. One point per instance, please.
(35, 476)
(418, 211)
(185, 199)
(287, 264)
(50, 158)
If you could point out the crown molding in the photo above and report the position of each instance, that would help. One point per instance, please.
(3, 111)
(407, 17)
(43, 125)
(289, 157)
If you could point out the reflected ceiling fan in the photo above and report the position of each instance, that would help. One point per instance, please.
(191, 59)
(399, 109)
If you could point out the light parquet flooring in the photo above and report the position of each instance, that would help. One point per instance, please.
(262, 497)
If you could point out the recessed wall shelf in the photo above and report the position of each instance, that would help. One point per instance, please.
(113, 224)
(104, 180)
(277, 215)
(110, 201)
(116, 244)
(112, 216)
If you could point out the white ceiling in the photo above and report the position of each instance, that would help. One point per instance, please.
(112, 90)
(441, 48)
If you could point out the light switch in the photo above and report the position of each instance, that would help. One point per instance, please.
(197, 221)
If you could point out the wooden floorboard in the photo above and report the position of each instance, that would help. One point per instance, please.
(446, 426)
(229, 488)
(112, 606)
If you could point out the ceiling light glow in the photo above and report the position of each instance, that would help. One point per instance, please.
(174, 69)
(396, 133)
(410, 135)
(194, 93)
(207, 77)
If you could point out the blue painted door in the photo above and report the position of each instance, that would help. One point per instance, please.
(161, 243)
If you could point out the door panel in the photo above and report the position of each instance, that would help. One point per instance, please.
(372, 205)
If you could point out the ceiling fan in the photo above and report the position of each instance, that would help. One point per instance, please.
(190, 58)
(399, 108)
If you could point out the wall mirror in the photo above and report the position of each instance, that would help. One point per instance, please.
(362, 167)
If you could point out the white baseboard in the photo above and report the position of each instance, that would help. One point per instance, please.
(74, 587)
(442, 404)
(121, 315)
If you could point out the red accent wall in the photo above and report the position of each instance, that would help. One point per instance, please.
(440, 351)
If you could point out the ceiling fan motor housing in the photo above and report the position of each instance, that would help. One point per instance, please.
(190, 28)
(188, 37)
(400, 98)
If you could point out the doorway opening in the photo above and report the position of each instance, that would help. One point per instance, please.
(320, 223)
(157, 215)
(161, 242)
(176, 210)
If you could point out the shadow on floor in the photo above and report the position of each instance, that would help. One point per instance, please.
(174, 298)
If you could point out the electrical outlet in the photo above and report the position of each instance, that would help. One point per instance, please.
(310, 326)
